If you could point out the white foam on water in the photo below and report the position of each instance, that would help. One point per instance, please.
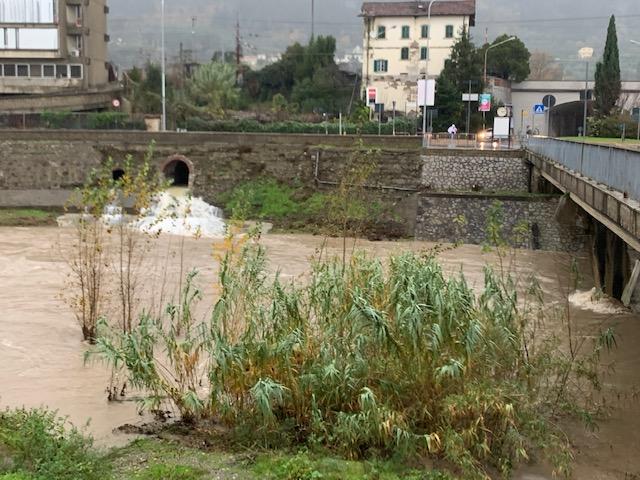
(596, 302)
(182, 215)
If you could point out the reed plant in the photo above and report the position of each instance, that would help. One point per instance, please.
(366, 358)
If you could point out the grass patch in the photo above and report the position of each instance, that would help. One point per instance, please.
(150, 459)
(155, 459)
(628, 142)
(27, 217)
(37, 444)
(299, 209)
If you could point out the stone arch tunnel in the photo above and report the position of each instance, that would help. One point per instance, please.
(178, 170)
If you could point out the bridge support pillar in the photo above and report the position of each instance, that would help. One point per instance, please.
(610, 261)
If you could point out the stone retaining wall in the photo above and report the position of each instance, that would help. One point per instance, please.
(528, 221)
(476, 171)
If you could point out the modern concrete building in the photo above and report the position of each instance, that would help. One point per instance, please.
(399, 40)
(53, 47)
(566, 97)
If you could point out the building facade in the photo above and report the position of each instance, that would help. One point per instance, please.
(402, 44)
(52, 46)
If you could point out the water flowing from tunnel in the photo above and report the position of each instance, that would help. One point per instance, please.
(176, 212)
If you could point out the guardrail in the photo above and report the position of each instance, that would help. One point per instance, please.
(617, 168)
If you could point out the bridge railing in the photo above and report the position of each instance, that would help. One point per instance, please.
(615, 167)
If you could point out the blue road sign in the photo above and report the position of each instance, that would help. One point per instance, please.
(538, 109)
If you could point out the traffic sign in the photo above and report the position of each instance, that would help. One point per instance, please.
(485, 102)
(372, 95)
(538, 109)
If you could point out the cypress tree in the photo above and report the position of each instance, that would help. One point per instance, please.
(608, 84)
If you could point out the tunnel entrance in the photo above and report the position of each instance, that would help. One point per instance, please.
(177, 171)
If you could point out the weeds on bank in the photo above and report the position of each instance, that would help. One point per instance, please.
(37, 445)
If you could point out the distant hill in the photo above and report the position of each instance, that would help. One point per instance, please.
(268, 26)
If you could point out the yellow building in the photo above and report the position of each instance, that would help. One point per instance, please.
(401, 45)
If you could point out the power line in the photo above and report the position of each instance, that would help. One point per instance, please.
(231, 21)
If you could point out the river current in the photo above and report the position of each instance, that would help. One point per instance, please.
(42, 353)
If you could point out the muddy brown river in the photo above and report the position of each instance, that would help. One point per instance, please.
(42, 353)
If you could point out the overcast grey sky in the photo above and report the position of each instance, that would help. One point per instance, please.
(559, 27)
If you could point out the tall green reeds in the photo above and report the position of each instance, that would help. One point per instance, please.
(363, 358)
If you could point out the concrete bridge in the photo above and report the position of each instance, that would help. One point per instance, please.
(604, 182)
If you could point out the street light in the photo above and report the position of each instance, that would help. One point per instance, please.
(425, 142)
(635, 41)
(486, 53)
(164, 73)
(585, 54)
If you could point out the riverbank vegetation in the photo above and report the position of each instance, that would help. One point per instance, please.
(38, 445)
(367, 360)
(27, 217)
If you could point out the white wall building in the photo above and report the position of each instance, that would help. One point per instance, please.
(400, 44)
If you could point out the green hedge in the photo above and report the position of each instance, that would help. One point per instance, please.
(611, 127)
(253, 126)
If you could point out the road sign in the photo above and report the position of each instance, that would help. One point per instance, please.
(430, 87)
(485, 102)
(538, 109)
(470, 97)
(372, 96)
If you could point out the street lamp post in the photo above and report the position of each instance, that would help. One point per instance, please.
(486, 53)
(164, 73)
(425, 138)
(636, 42)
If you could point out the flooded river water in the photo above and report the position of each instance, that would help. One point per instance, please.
(41, 350)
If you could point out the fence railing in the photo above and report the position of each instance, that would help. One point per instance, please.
(617, 168)
(72, 121)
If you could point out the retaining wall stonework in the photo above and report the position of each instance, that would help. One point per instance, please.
(426, 191)
(439, 215)
(476, 171)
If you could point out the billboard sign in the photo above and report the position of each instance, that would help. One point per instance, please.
(428, 86)
(485, 102)
(372, 96)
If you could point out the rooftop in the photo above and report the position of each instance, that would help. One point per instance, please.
(418, 9)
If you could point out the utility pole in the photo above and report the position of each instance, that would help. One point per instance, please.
(469, 112)
(164, 73)
(313, 19)
(238, 51)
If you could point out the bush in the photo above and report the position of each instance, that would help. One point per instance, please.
(295, 127)
(369, 359)
(611, 127)
(56, 119)
(38, 444)
(107, 120)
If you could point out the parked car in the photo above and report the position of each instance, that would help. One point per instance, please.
(485, 135)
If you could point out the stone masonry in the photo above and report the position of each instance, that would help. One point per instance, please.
(527, 222)
(478, 170)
